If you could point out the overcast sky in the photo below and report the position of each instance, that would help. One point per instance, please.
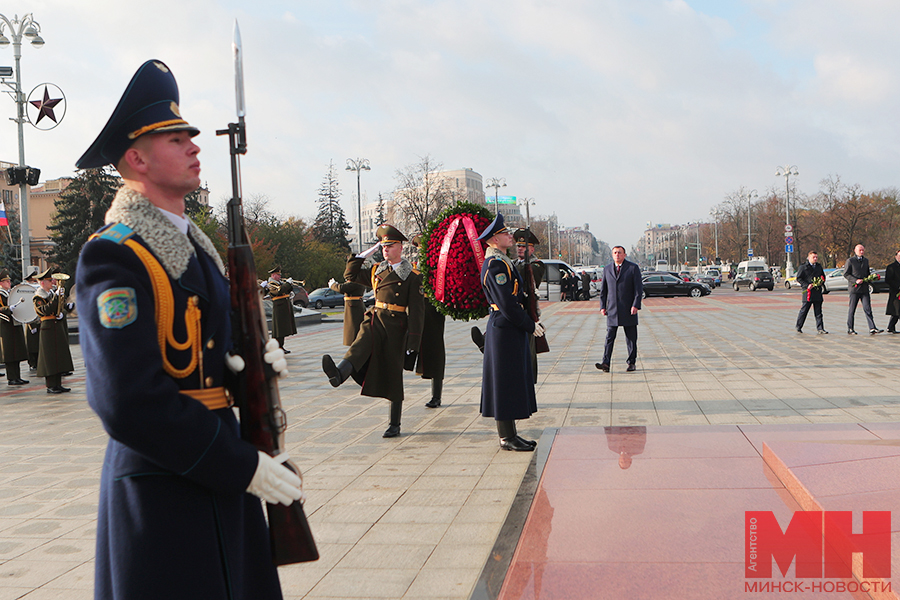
(607, 112)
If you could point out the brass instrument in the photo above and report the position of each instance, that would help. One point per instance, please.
(60, 290)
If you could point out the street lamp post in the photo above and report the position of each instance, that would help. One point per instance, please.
(496, 183)
(786, 172)
(29, 28)
(358, 165)
(750, 196)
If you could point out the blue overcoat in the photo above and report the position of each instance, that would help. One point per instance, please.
(174, 519)
(619, 294)
(507, 388)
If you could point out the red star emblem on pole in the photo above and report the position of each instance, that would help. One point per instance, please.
(45, 106)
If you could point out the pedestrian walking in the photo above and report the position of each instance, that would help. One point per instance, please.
(811, 277)
(620, 300)
(857, 273)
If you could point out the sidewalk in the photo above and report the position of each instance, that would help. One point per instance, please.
(417, 516)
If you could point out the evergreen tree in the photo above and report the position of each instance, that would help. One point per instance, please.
(380, 212)
(331, 225)
(80, 211)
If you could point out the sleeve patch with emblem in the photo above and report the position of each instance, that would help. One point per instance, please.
(501, 278)
(117, 307)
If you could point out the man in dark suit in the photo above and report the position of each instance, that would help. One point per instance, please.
(620, 300)
(855, 271)
(892, 277)
(812, 295)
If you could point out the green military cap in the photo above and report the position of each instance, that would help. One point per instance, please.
(388, 234)
(275, 269)
(4, 275)
(526, 235)
(48, 274)
(416, 240)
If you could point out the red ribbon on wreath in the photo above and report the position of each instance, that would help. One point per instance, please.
(472, 235)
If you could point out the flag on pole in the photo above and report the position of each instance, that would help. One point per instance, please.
(3, 220)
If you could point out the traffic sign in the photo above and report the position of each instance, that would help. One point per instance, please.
(788, 248)
(788, 239)
(749, 251)
(788, 228)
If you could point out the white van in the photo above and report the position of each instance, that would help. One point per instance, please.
(662, 265)
(749, 266)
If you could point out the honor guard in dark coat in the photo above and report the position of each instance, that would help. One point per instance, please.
(281, 291)
(354, 311)
(33, 329)
(507, 387)
(620, 300)
(432, 358)
(856, 269)
(892, 277)
(13, 349)
(812, 293)
(175, 519)
(392, 329)
(54, 356)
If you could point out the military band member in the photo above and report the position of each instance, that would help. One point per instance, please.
(283, 323)
(354, 311)
(12, 336)
(391, 330)
(33, 329)
(432, 358)
(507, 388)
(54, 356)
(179, 510)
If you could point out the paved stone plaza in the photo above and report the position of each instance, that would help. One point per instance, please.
(417, 516)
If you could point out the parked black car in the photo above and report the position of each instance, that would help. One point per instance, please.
(753, 280)
(663, 284)
(707, 279)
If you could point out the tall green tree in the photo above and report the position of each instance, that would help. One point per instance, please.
(331, 226)
(80, 211)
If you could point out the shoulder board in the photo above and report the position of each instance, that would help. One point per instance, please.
(117, 232)
(416, 271)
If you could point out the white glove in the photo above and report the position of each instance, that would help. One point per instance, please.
(234, 362)
(70, 306)
(370, 251)
(34, 330)
(264, 284)
(275, 483)
(332, 282)
(538, 330)
(59, 316)
(275, 356)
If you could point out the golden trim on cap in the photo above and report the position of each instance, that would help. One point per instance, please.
(147, 128)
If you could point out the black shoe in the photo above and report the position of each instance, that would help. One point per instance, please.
(630, 368)
(286, 351)
(392, 431)
(478, 338)
(435, 403)
(799, 330)
(892, 331)
(516, 443)
(531, 443)
(876, 330)
(67, 374)
(602, 366)
(851, 332)
(822, 331)
(337, 374)
(58, 389)
(19, 381)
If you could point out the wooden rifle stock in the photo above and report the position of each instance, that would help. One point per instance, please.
(255, 390)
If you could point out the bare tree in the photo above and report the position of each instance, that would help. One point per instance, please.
(422, 193)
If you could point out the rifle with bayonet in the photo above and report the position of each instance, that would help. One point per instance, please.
(255, 389)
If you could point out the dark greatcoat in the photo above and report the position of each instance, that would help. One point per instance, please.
(354, 310)
(283, 323)
(174, 519)
(432, 356)
(857, 268)
(537, 272)
(385, 336)
(33, 341)
(618, 295)
(805, 275)
(12, 335)
(507, 387)
(54, 356)
(892, 277)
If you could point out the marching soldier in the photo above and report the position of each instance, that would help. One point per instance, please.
(283, 323)
(392, 329)
(432, 356)
(354, 311)
(507, 388)
(12, 336)
(54, 357)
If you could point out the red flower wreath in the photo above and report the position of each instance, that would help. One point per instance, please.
(453, 285)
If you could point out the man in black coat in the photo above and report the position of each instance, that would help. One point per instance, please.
(620, 300)
(855, 271)
(892, 276)
(812, 295)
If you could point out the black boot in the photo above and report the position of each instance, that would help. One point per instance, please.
(478, 338)
(509, 440)
(394, 429)
(436, 387)
(337, 374)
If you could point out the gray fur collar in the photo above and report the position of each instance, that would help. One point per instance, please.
(494, 253)
(42, 293)
(403, 271)
(171, 247)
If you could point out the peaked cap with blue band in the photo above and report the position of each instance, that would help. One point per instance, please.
(149, 105)
(496, 226)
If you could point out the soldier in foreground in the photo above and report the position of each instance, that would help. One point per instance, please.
(392, 329)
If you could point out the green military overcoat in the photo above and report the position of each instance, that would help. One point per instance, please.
(12, 335)
(283, 323)
(354, 311)
(54, 356)
(432, 353)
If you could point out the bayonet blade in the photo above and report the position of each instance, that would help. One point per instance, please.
(238, 70)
